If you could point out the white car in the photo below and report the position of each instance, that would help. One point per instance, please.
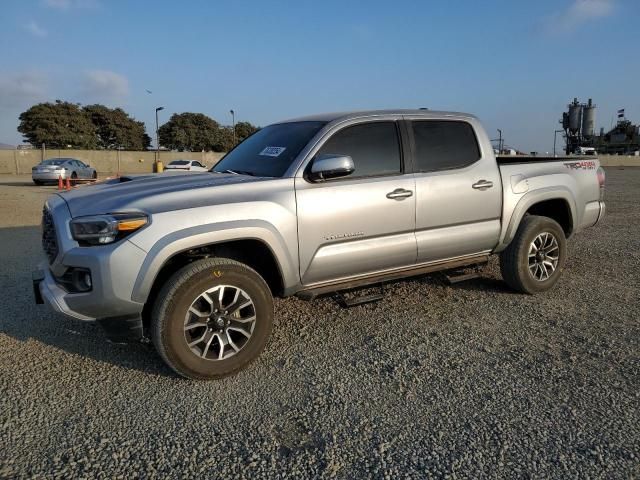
(188, 165)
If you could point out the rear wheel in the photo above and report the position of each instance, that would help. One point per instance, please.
(212, 318)
(534, 259)
(94, 175)
(38, 182)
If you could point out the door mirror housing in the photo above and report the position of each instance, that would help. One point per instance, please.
(330, 166)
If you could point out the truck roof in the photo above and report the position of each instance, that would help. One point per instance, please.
(333, 116)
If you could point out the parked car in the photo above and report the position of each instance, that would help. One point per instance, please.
(305, 207)
(185, 165)
(48, 171)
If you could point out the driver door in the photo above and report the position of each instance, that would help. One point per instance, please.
(362, 223)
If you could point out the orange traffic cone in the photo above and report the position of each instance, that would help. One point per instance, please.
(68, 184)
(60, 186)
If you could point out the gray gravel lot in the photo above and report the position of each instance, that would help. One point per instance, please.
(469, 381)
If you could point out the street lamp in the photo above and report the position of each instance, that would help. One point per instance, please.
(157, 136)
(233, 125)
(554, 140)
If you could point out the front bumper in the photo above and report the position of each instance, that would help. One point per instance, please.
(52, 294)
(113, 269)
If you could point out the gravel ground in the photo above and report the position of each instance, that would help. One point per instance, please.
(469, 381)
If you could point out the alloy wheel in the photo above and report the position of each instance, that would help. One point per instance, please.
(219, 323)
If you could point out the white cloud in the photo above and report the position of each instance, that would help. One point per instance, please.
(34, 29)
(104, 85)
(579, 13)
(18, 90)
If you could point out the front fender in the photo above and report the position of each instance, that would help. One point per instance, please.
(208, 234)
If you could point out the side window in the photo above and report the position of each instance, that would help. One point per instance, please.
(198, 164)
(444, 145)
(374, 148)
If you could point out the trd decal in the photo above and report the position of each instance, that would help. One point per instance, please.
(582, 165)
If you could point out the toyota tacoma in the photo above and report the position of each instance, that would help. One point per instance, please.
(310, 206)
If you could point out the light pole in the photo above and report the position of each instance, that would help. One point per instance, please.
(555, 132)
(157, 136)
(500, 142)
(233, 125)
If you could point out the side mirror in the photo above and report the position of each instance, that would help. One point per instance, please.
(329, 166)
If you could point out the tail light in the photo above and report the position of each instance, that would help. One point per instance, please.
(601, 180)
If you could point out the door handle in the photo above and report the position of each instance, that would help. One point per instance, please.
(399, 194)
(482, 185)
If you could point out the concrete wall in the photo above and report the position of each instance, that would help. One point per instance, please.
(619, 160)
(105, 161)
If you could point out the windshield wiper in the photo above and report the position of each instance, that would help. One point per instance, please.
(236, 172)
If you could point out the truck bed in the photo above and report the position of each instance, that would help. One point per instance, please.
(511, 159)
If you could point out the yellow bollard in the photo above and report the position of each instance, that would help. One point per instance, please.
(159, 167)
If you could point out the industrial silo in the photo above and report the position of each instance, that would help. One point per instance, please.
(575, 116)
(589, 119)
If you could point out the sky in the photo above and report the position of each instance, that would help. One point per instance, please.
(514, 64)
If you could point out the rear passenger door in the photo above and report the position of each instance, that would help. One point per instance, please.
(362, 223)
(458, 190)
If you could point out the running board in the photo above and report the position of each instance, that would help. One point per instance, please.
(345, 301)
(454, 278)
(310, 293)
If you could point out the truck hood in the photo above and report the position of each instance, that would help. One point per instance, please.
(152, 193)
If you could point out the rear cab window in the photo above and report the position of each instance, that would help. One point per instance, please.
(443, 145)
(374, 148)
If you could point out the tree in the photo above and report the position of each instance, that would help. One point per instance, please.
(244, 129)
(60, 124)
(189, 131)
(116, 129)
(224, 140)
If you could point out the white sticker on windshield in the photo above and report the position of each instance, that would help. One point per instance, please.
(272, 151)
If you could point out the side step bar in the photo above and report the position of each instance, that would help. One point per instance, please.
(312, 292)
(345, 300)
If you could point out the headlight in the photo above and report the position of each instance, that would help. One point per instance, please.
(102, 229)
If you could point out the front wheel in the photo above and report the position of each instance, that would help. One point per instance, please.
(212, 318)
(534, 259)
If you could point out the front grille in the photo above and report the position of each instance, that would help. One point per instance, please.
(49, 240)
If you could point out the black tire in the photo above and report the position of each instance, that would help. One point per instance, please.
(514, 260)
(74, 175)
(94, 175)
(38, 182)
(177, 296)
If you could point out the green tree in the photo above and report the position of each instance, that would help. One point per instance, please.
(224, 140)
(116, 129)
(60, 124)
(244, 129)
(189, 131)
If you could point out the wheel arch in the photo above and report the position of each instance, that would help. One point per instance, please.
(253, 252)
(555, 203)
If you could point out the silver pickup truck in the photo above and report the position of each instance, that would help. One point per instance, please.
(304, 207)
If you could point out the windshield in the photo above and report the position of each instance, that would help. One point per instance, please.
(54, 161)
(270, 151)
